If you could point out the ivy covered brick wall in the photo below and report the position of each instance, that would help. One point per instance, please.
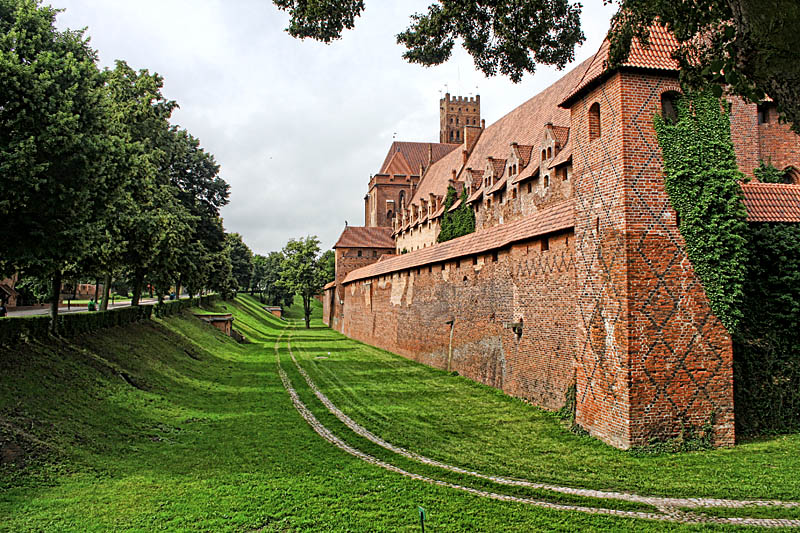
(750, 272)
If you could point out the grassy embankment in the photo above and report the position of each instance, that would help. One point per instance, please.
(171, 425)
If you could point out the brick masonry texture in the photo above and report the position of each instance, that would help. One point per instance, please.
(406, 313)
(592, 267)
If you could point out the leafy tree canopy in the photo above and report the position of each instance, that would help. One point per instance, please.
(241, 260)
(302, 273)
(748, 45)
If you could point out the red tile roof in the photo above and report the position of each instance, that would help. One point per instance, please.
(365, 237)
(500, 185)
(562, 157)
(561, 134)
(772, 202)
(437, 177)
(658, 55)
(399, 166)
(555, 218)
(525, 152)
(416, 153)
(524, 125)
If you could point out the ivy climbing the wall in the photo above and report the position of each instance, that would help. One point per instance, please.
(703, 183)
(766, 369)
(460, 221)
(750, 272)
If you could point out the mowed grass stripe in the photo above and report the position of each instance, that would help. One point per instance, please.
(468, 425)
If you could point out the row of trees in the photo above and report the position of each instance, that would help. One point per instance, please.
(96, 181)
(298, 269)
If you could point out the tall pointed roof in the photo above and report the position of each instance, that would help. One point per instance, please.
(416, 154)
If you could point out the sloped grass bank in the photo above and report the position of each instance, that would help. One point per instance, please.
(170, 425)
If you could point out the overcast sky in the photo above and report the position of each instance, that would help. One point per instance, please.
(298, 127)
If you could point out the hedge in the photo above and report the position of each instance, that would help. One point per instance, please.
(174, 307)
(26, 328)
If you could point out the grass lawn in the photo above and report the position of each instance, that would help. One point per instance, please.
(170, 425)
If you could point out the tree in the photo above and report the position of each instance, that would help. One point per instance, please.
(53, 142)
(241, 260)
(327, 263)
(146, 225)
(501, 36)
(302, 272)
(195, 175)
(748, 45)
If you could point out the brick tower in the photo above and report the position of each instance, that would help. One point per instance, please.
(454, 114)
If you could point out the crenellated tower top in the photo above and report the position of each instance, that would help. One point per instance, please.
(456, 112)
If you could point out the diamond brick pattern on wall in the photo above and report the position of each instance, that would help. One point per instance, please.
(681, 358)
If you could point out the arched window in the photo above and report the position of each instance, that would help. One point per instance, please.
(791, 175)
(451, 135)
(669, 106)
(544, 155)
(402, 199)
(549, 153)
(594, 121)
(546, 181)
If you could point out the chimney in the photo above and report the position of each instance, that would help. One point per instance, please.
(483, 123)
(464, 154)
(471, 136)
(454, 174)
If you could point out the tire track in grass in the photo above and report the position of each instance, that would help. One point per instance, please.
(671, 508)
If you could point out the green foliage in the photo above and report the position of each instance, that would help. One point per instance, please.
(241, 260)
(767, 173)
(702, 181)
(767, 347)
(31, 328)
(53, 140)
(327, 262)
(505, 37)
(751, 274)
(460, 221)
(176, 307)
(323, 20)
(301, 272)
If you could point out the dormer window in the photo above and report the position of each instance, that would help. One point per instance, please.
(594, 122)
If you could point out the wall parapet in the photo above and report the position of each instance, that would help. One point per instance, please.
(557, 218)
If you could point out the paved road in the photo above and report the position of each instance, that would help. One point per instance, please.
(74, 308)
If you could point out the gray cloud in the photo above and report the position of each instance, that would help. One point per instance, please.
(297, 126)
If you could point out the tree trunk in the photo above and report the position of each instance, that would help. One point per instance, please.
(106, 291)
(178, 289)
(138, 281)
(96, 289)
(55, 293)
(307, 310)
